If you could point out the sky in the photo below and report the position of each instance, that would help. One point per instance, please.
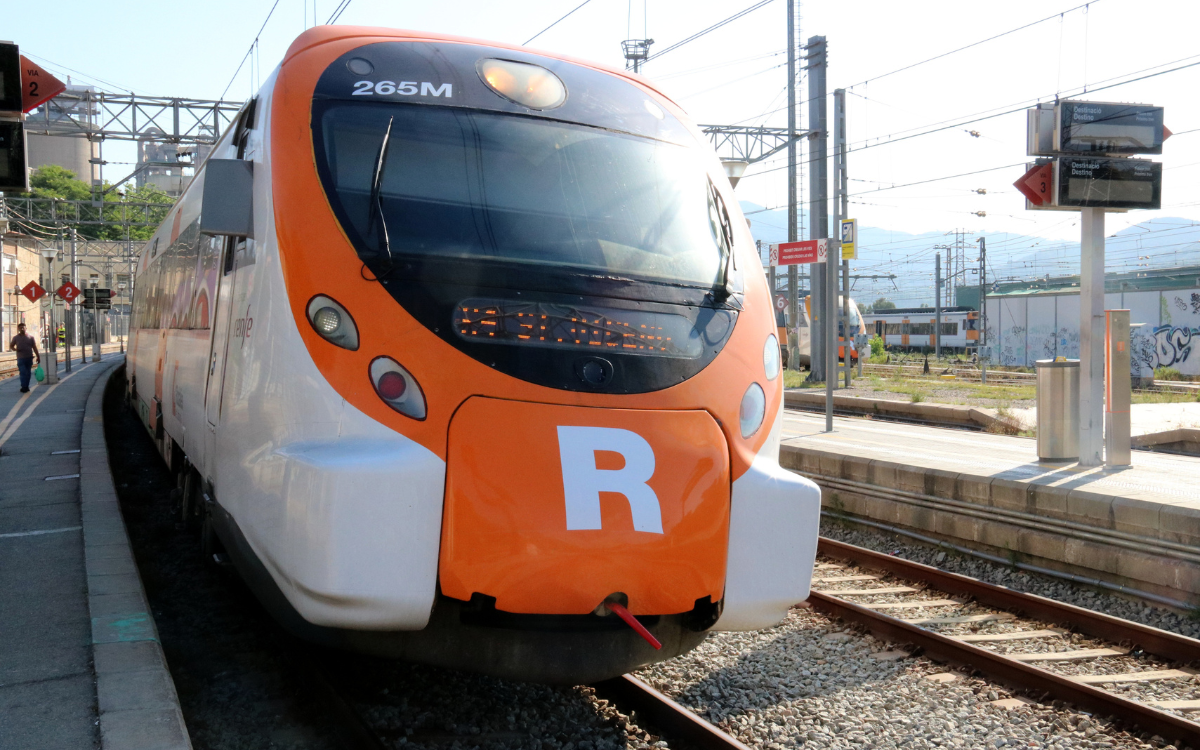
(737, 74)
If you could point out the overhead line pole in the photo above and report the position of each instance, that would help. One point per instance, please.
(824, 275)
(793, 273)
(843, 184)
(818, 207)
(982, 309)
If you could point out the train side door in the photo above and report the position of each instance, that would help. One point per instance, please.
(220, 340)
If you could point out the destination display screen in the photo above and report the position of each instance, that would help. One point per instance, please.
(1109, 183)
(1109, 128)
(567, 326)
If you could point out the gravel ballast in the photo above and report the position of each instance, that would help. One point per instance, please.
(812, 682)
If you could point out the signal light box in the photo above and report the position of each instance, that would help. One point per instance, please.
(13, 175)
(10, 78)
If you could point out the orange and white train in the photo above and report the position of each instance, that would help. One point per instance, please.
(464, 354)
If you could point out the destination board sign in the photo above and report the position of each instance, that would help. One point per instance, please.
(1091, 182)
(1108, 128)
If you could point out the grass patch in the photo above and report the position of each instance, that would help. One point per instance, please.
(1163, 397)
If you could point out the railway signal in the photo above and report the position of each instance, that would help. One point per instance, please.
(24, 85)
(97, 299)
(1085, 168)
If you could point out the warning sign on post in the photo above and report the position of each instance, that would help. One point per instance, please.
(849, 239)
(798, 253)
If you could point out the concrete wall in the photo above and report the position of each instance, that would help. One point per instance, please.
(1022, 330)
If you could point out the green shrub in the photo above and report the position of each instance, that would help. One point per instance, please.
(1167, 373)
(877, 349)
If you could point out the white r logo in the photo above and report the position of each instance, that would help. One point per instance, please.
(583, 482)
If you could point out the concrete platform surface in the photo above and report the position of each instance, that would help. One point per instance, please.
(79, 668)
(1144, 419)
(1137, 526)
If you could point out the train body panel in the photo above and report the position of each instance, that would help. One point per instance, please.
(327, 482)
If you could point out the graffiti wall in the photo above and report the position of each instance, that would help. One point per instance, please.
(1022, 330)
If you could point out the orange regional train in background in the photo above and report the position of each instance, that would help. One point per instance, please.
(464, 353)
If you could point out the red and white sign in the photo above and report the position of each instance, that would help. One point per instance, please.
(781, 302)
(1038, 185)
(797, 253)
(37, 86)
(68, 292)
(33, 291)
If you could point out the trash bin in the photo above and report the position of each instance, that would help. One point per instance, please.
(1058, 409)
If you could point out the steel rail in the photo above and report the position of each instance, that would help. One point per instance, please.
(666, 714)
(1161, 643)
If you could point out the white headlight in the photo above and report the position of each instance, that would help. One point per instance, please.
(754, 407)
(771, 357)
(331, 320)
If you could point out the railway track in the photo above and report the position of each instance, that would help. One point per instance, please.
(628, 693)
(1047, 648)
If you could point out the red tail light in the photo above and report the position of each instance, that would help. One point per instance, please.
(397, 387)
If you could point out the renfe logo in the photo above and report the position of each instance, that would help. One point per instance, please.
(583, 482)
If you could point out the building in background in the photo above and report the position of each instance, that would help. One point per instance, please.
(75, 153)
(20, 263)
(1039, 319)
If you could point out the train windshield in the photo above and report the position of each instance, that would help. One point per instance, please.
(413, 180)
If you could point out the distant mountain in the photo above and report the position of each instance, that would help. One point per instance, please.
(1158, 243)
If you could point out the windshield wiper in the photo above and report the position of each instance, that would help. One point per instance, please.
(730, 264)
(375, 201)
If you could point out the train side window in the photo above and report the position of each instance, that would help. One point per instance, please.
(233, 246)
(245, 124)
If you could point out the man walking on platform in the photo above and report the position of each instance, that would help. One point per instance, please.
(26, 349)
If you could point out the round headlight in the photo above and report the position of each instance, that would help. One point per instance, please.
(771, 357)
(327, 320)
(754, 407)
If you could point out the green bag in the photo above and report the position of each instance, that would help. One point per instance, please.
(39, 373)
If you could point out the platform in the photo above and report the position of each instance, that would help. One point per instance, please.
(1137, 527)
(81, 666)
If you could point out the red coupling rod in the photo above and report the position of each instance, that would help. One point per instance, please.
(632, 622)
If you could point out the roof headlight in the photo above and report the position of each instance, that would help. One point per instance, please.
(332, 322)
(522, 83)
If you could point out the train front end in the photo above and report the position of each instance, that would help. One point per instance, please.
(532, 273)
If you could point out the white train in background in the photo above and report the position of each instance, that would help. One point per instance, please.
(915, 328)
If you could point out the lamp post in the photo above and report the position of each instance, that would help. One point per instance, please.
(734, 169)
(50, 356)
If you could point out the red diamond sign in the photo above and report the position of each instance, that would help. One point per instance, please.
(68, 292)
(1038, 185)
(33, 291)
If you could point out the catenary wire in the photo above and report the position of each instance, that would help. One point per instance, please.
(551, 26)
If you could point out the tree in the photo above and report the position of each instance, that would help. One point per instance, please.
(883, 303)
(53, 181)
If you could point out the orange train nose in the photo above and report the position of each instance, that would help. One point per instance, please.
(550, 509)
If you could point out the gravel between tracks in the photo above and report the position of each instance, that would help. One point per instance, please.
(810, 682)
